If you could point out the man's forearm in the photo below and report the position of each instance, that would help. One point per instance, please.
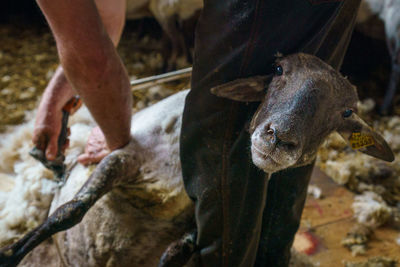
(57, 93)
(92, 65)
(112, 13)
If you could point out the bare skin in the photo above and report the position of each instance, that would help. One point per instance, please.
(96, 148)
(86, 35)
(48, 119)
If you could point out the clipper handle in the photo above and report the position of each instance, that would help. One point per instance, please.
(57, 166)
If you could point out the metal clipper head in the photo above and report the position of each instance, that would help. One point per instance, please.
(57, 166)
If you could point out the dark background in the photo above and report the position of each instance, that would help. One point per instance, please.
(367, 62)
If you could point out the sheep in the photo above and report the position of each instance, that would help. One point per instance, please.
(388, 11)
(152, 205)
(139, 188)
(168, 13)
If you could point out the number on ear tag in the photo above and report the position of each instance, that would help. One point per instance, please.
(359, 140)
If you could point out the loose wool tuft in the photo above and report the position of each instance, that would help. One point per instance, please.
(26, 187)
(371, 210)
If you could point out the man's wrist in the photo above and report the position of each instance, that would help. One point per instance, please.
(117, 144)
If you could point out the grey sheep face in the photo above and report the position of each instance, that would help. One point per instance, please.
(305, 102)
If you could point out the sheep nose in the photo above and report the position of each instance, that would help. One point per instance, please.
(280, 138)
(270, 134)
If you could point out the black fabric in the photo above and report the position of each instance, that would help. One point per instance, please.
(235, 39)
(287, 191)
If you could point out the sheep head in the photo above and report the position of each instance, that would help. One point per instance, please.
(305, 101)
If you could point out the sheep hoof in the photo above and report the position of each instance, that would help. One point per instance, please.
(179, 252)
(6, 258)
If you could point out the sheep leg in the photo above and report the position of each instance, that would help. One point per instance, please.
(392, 88)
(179, 252)
(115, 168)
(178, 46)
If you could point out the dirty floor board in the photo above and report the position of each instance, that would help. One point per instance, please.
(331, 217)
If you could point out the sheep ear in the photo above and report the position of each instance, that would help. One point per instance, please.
(361, 137)
(244, 90)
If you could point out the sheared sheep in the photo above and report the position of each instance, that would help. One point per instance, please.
(388, 11)
(168, 13)
(146, 203)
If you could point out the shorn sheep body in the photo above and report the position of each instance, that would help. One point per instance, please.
(146, 217)
(169, 14)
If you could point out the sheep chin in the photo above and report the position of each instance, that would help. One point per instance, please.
(265, 162)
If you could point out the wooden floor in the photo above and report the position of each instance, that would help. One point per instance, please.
(331, 217)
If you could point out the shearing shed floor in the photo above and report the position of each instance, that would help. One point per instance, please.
(329, 219)
(344, 184)
(355, 216)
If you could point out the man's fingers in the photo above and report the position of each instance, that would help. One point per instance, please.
(40, 141)
(89, 158)
(84, 159)
(96, 148)
(101, 155)
(51, 150)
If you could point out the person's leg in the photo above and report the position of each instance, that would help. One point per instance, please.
(287, 190)
(235, 39)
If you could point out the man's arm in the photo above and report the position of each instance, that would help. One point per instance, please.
(92, 66)
(49, 115)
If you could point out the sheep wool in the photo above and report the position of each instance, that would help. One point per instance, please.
(26, 187)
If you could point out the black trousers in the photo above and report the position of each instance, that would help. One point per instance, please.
(242, 218)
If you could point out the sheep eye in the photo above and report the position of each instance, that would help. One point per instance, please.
(347, 113)
(278, 70)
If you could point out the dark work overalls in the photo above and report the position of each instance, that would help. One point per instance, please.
(242, 218)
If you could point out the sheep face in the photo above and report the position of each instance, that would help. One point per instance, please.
(305, 101)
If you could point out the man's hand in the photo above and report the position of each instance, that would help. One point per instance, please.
(49, 115)
(47, 129)
(96, 148)
(49, 126)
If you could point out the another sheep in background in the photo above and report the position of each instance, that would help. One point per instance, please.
(169, 14)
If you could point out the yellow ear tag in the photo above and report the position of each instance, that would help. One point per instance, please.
(359, 140)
